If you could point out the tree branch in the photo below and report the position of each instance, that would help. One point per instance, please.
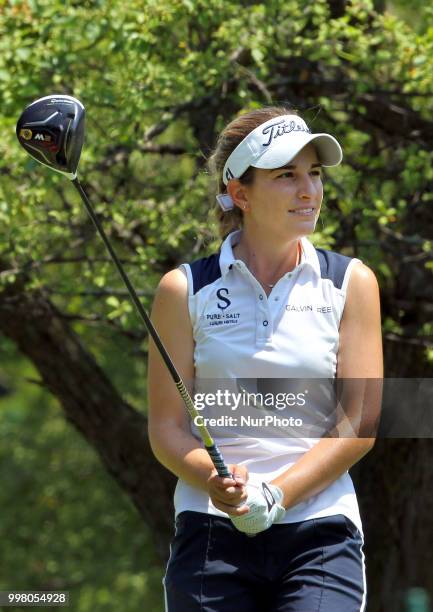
(90, 403)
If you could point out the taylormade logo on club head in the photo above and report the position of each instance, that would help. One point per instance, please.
(61, 101)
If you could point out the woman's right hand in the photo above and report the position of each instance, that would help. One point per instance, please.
(229, 494)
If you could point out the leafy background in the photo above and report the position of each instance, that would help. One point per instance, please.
(159, 79)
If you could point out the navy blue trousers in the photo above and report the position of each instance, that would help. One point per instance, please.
(312, 566)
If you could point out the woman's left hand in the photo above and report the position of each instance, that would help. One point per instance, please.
(264, 503)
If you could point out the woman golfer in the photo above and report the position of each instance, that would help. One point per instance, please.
(284, 533)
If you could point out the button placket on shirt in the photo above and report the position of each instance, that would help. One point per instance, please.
(264, 322)
(268, 307)
(282, 290)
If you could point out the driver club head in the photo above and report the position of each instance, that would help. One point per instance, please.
(51, 130)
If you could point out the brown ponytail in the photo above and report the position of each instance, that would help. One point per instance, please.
(228, 140)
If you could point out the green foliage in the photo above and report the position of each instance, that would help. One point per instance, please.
(65, 523)
(134, 67)
(411, 11)
(159, 79)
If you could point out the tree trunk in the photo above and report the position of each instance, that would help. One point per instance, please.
(394, 485)
(91, 404)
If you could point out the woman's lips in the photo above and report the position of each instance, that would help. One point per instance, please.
(305, 211)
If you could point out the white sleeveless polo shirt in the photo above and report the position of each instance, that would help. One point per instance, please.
(242, 334)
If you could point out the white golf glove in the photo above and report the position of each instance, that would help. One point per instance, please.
(264, 502)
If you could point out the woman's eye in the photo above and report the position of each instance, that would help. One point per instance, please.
(290, 174)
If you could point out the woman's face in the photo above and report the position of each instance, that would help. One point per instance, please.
(286, 200)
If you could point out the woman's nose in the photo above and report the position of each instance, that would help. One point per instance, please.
(306, 188)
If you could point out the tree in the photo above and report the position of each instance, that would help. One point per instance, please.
(159, 81)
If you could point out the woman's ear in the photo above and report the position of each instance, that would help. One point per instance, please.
(238, 194)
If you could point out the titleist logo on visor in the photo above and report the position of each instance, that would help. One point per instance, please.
(279, 128)
(258, 141)
(273, 144)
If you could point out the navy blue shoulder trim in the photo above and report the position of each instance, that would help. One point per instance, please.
(205, 271)
(333, 266)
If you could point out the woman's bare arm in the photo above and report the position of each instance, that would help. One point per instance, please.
(169, 429)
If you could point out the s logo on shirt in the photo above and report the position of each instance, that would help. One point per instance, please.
(225, 302)
(221, 317)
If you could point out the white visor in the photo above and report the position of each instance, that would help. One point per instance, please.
(275, 143)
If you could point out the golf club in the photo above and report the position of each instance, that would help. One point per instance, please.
(51, 130)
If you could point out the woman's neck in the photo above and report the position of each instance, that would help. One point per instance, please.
(267, 261)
